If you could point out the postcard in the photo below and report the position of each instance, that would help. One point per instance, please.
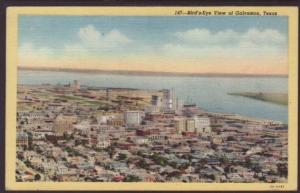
(152, 98)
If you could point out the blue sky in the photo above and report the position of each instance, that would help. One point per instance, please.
(124, 36)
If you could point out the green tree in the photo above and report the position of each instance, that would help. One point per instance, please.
(132, 178)
(143, 164)
(224, 160)
(37, 177)
(122, 156)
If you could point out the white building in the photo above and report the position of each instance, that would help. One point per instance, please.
(62, 170)
(133, 118)
(141, 140)
(156, 138)
(76, 85)
(167, 100)
(83, 127)
(202, 122)
(102, 142)
(202, 125)
(103, 119)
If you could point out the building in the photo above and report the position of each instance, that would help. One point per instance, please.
(190, 110)
(141, 140)
(102, 142)
(180, 125)
(190, 125)
(62, 124)
(22, 139)
(61, 170)
(202, 125)
(202, 122)
(102, 119)
(156, 103)
(155, 100)
(156, 138)
(178, 105)
(107, 93)
(167, 100)
(76, 85)
(133, 118)
(115, 122)
(195, 124)
(206, 131)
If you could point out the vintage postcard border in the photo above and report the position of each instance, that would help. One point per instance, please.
(11, 91)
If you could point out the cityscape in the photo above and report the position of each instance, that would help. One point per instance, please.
(153, 98)
(73, 132)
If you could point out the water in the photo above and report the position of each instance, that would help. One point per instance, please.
(210, 93)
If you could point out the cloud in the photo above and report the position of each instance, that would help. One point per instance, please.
(228, 36)
(27, 50)
(205, 36)
(94, 43)
(90, 44)
(90, 37)
(267, 36)
(202, 43)
(89, 34)
(117, 37)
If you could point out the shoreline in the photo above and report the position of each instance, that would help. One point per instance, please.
(149, 73)
(231, 115)
(275, 98)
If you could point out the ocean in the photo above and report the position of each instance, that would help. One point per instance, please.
(210, 93)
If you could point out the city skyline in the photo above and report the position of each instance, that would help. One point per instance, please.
(258, 45)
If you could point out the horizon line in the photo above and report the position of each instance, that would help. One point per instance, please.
(147, 73)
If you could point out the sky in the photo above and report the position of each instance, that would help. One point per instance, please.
(190, 44)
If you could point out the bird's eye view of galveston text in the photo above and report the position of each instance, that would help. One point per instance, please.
(152, 99)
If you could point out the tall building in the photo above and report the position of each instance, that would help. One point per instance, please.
(155, 100)
(107, 94)
(167, 100)
(156, 104)
(133, 118)
(76, 85)
(178, 106)
(62, 124)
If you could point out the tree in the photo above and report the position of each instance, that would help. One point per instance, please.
(140, 153)
(132, 178)
(159, 160)
(111, 151)
(143, 164)
(27, 163)
(224, 160)
(37, 177)
(262, 178)
(248, 163)
(256, 168)
(173, 164)
(230, 138)
(282, 169)
(122, 156)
